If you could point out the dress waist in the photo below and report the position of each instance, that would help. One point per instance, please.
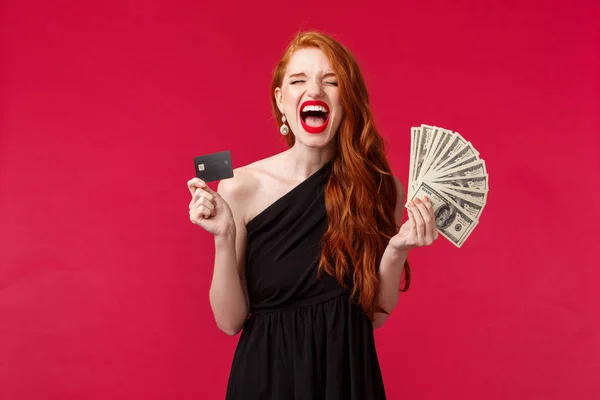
(301, 303)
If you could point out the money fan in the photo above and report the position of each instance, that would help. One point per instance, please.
(446, 168)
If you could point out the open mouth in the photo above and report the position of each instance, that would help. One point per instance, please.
(314, 116)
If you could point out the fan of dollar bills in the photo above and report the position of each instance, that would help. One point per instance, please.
(446, 168)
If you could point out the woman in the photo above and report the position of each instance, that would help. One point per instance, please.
(308, 254)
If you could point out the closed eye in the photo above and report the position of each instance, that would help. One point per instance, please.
(296, 81)
(332, 83)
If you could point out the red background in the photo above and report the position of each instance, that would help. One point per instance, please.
(104, 281)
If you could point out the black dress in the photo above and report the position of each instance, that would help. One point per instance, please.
(304, 339)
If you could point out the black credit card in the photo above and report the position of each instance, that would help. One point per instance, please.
(214, 167)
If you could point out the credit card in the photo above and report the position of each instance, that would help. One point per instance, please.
(214, 166)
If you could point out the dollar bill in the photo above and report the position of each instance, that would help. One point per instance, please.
(413, 145)
(473, 209)
(436, 134)
(474, 196)
(471, 182)
(474, 168)
(451, 220)
(413, 177)
(464, 155)
(425, 141)
(455, 145)
(442, 140)
(447, 168)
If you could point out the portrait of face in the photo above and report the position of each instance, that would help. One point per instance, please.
(444, 216)
(309, 97)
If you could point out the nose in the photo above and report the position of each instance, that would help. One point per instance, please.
(314, 90)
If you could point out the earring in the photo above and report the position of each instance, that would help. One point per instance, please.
(284, 129)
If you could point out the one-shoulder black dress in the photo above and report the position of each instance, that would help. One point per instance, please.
(304, 338)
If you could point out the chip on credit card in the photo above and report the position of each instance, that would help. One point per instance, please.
(214, 166)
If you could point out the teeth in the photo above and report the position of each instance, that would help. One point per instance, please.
(314, 108)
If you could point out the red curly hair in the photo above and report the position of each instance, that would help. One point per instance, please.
(361, 195)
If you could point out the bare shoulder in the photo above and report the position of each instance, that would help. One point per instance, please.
(237, 191)
(241, 191)
(400, 190)
(400, 201)
(237, 187)
(246, 179)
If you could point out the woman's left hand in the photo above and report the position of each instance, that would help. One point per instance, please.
(420, 228)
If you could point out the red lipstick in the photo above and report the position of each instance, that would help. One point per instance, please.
(314, 129)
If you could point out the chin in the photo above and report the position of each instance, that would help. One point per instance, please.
(319, 140)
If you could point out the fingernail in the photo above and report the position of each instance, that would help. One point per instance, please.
(417, 201)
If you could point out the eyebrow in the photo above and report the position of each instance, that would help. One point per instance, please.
(297, 75)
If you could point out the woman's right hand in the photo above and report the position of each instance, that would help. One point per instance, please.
(209, 210)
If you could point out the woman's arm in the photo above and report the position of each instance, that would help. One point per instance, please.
(391, 268)
(419, 230)
(228, 292)
(390, 273)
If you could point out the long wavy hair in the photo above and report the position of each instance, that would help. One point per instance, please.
(361, 195)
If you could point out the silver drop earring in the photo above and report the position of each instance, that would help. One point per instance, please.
(284, 129)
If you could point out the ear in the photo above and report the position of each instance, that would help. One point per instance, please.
(278, 98)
